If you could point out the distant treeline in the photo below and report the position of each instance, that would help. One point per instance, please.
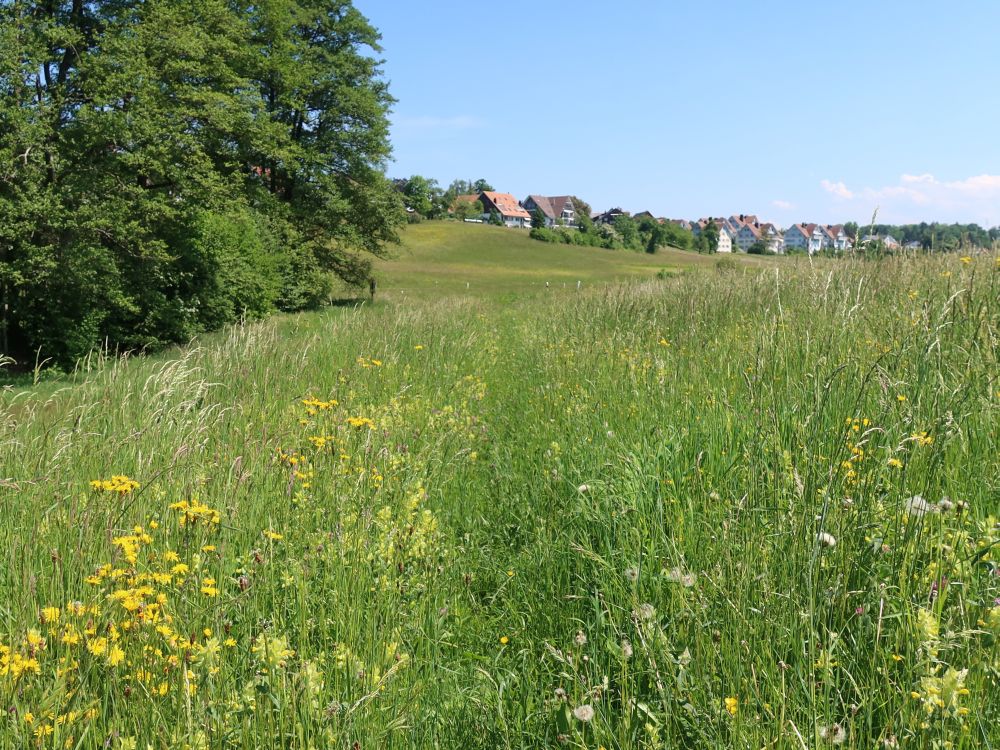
(645, 234)
(169, 167)
(933, 236)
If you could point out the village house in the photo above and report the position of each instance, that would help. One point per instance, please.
(727, 234)
(557, 210)
(609, 216)
(511, 213)
(750, 233)
(888, 241)
(835, 238)
(803, 236)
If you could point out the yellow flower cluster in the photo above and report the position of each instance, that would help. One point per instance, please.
(192, 513)
(119, 484)
(314, 405)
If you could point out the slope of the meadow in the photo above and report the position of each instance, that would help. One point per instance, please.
(439, 257)
(753, 508)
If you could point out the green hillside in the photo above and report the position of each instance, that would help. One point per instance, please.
(438, 257)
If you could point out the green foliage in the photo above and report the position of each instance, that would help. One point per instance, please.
(131, 133)
(711, 234)
(243, 263)
(462, 210)
(424, 196)
(537, 219)
(627, 230)
(726, 265)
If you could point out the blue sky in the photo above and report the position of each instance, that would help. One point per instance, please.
(790, 109)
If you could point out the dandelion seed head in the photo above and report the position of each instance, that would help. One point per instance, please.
(835, 734)
(632, 574)
(645, 611)
(584, 713)
(916, 506)
(825, 540)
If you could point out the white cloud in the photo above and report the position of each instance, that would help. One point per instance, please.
(924, 197)
(784, 205)
(838, 189)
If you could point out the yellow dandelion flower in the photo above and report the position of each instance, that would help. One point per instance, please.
(732, 705)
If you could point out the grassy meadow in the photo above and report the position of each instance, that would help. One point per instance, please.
(438, 257)
(753, 507)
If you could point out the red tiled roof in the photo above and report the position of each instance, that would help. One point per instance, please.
(506, 204)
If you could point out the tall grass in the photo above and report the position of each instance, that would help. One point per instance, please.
(675, 514)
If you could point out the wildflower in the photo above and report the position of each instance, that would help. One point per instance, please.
(632, 574)
(119, 484)
(900, 397)
(836, 734)
(504, 640)
(645, 611)
(944, 693)
(945, 504)
(676, 575)
(208, 587)
(49, 615)
(732, 705)
(116, 656)
(192, 513)
(584, 713)
(927, 624)
(825, 540)
(580, 639)
(966, 260)
(895, 463)
(418, 347)
(922, 439)
(916, 506)
(273, 535)
(29, 718)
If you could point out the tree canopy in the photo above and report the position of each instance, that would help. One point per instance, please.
(168, 166)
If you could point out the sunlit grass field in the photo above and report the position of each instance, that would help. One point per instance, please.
(438, 257)
(749, 508)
